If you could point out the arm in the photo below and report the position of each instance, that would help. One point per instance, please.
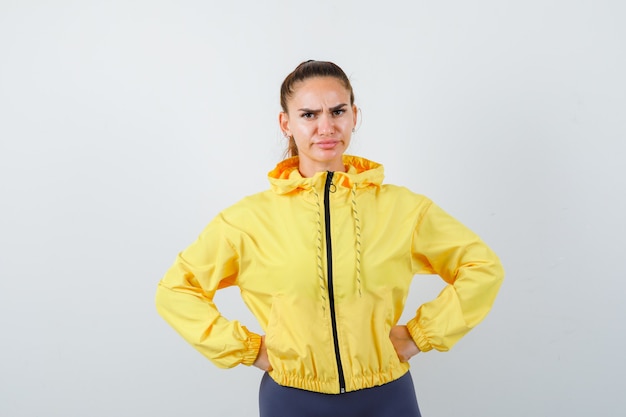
(184, 299)
(443, 246)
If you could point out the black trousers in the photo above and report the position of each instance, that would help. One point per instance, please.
(394, 399)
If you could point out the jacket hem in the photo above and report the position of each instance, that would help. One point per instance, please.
(353, 383)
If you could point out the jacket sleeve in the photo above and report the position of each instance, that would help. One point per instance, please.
(184, 299)
(473, 273)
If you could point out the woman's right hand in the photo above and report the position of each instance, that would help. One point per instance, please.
(262, 361)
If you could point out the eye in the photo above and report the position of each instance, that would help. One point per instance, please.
(307, 115)
(339, 112)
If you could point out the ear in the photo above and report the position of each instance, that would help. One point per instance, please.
(355, 111)
(283, 122)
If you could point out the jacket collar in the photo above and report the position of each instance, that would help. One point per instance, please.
(286, 178)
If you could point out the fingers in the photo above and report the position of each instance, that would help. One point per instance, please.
(403, 343)
(262, 360)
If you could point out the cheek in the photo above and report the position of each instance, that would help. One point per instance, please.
(304, 128)
(299, 140)
(348, 125)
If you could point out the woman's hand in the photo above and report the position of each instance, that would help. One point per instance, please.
(403, 343)
(262, 362)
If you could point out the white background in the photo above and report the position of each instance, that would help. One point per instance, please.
(125, 126)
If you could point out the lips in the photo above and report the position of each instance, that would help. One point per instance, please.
(327, 144)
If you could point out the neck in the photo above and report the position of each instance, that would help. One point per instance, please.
(309, 170)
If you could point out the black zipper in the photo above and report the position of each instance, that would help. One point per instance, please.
(331, 293)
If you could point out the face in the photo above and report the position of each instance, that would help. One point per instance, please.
(320, 118)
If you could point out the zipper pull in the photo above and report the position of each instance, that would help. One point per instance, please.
(329, 182)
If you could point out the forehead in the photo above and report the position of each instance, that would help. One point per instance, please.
(320, 90)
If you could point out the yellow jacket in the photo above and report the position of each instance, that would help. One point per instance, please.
(327, 281)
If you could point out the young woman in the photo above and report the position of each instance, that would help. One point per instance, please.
(324, 260)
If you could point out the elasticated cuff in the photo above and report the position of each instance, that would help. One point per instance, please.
(253, 345)
(418, 336)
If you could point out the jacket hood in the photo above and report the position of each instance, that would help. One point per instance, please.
(360, 173)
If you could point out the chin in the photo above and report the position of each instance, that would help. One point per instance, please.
(330, 156)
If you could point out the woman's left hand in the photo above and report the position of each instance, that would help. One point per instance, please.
(403, 343)
(262, 361)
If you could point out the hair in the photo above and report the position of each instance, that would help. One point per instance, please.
(304, 71)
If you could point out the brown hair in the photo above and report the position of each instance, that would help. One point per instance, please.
(304, 71)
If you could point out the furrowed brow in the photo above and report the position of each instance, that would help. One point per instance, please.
(309, 111)
(315, 111)
(338, 107)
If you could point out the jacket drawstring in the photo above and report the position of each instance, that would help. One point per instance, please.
(357, 232)
(320, 260)
(319, 244)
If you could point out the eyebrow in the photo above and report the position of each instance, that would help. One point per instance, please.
(332, 109)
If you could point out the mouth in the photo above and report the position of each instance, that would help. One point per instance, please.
(327, 144)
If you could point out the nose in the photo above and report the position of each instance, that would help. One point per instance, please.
(326, 125)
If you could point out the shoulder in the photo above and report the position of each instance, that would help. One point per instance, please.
(248, 206)
(404, 194)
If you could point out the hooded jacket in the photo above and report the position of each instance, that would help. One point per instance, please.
(325, 264)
